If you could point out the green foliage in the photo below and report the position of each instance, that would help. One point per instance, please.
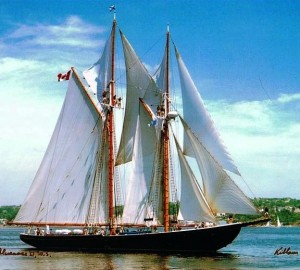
(288, 218)
(119, 210)
(287, 209)
(245, 218)
(276, 202)
(174, 208)
(9, 212)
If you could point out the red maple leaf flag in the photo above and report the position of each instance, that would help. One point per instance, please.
(64, 77)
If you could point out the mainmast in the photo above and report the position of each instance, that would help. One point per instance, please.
(166, 172)
(111, 132)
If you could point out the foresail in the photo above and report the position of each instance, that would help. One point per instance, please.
(62, 188)
(221, 192)
(140, 203)
(193, 205)
(199, 120)
(139, 85)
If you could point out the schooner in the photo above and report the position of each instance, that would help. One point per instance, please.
(176, 181)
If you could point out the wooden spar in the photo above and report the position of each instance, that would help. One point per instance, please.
(165, 141)
(70, 224)
(166, 172)
(56, 224)
(93, 102)
(111, 160)
(147, 109)
(167, 74)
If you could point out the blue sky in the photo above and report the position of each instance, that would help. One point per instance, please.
(243, 55)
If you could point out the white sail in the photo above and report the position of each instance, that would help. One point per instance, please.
(138, 205)
(139, 85)
(199, 120)
(221, 192)
(98, 76)
(193, 205)
(278, 222)
(62, 188)
(161, 73)
(98, 206)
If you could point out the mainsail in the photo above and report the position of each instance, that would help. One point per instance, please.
(62, 188)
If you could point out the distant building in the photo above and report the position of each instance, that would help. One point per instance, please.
(288, 208)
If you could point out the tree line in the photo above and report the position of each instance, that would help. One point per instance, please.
(287, 209)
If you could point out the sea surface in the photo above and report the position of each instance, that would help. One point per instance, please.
(254, 248)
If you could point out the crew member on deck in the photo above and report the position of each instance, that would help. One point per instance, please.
(230, 219)
(266, 212)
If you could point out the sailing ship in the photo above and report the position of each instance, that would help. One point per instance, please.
(279, 224)
(152, 188)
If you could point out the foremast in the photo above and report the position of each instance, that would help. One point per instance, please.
(111, 133)
(165, 139)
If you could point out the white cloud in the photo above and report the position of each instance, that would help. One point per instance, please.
(29, 106)
(49, 45)
(31, 97)
(27, 121)
(263, 138)
(72, 32)
(17, 70)
(286, 98)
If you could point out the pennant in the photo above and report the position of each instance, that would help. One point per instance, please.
(112, 8)
(64, 77)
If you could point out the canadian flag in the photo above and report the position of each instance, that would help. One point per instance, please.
(64, 77)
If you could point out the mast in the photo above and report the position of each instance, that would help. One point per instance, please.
(166, 172)
(111, 132)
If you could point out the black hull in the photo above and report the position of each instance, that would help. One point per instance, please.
(185, 241)
(203, 240)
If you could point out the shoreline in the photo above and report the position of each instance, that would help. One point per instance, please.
(255, 226)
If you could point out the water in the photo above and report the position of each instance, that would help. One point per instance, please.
(253, 249)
